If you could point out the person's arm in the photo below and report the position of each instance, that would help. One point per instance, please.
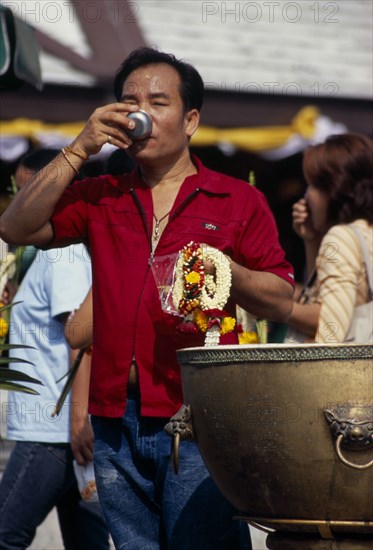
(81, 433)
(27, 218)
(305, 318)
(78, 333)
(263, 294)
(78, 329)
(261, 276)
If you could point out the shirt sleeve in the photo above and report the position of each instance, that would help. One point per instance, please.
(338, 265)
(69, 220)
(259, 247)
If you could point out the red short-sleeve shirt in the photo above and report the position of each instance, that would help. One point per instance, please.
(113, 216)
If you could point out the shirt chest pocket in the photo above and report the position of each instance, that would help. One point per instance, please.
(118, 217)
(211, 230)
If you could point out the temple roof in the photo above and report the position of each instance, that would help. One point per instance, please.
(303, 48)
(262, 61)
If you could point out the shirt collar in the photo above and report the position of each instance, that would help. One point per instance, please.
(205, 180)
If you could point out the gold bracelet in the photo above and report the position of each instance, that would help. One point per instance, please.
(69, 161)
(70, 150)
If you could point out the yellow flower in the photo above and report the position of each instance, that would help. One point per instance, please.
(227, 325)
(193, 277)
(4, 326)
(248, 338)
(200, 320)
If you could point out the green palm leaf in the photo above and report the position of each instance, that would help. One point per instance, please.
(69, 382)
(5, 347)
(7, 360)
(15, 375)
(9, 378)
(11, 386)
(4, 308)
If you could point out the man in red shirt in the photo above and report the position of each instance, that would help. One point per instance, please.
(169, 200)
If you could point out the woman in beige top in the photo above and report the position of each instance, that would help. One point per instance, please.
(339, 176)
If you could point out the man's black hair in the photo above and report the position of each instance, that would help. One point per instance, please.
(191, 89)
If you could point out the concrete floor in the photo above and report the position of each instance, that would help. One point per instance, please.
(48, 536)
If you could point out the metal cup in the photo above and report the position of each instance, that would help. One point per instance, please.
(143, 126)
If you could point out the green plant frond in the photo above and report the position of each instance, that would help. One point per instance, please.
(69, 382)
(7, 360)
(12, 188)
(10, 386)
(15, 375)
(9, 376)
(64, 376)
(252, 180)
(8, 306)
(5, 347)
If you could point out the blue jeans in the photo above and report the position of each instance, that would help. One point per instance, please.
(38, 477)
(148, 506)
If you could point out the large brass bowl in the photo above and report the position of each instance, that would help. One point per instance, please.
(286, 431)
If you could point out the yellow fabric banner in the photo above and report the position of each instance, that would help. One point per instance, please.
(259, 139)
(249, 139)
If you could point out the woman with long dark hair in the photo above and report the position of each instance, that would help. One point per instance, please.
(335, 220)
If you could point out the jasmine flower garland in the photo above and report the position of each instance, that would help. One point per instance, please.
(201, 297)
(215, 293)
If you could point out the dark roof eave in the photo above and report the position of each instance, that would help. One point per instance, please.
(110, 41)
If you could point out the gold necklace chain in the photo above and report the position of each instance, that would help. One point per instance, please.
(157, 223)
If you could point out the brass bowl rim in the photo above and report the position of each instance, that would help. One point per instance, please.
(237, 353)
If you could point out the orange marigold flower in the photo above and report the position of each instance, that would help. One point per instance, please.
(4, 326)
(201, 320)
(193, 277)
(227, 325)
(248, 338)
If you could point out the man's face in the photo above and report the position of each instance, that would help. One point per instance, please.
(156, 90)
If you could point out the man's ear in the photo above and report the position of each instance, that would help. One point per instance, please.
(191, 122)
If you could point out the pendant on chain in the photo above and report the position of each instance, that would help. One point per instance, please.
(156, 231)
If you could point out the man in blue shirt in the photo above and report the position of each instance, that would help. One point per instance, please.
(39, 474)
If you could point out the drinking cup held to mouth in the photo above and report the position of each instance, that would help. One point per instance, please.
(143, 125)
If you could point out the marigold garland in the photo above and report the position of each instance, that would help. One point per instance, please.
(215, 292)
(205, 320)
(189, 279)
(201, 297)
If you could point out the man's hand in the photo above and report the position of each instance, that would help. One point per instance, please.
(81, 433)
(108, 124)
(82, 441)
